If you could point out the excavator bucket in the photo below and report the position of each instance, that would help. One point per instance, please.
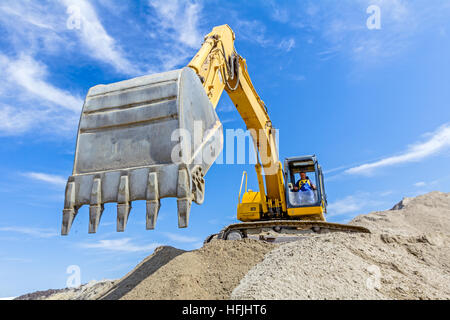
(147, 138)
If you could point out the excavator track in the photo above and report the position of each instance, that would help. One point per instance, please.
(297, 227)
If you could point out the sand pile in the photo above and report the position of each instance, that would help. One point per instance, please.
(88, 291)
(425, 214)
(406, 257)
(210, 272)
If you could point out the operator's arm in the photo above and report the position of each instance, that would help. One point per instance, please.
(313, 186)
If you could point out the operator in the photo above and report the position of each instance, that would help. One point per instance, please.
(304, 184)
(305, 188)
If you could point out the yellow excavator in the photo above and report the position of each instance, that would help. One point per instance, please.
(156, 136)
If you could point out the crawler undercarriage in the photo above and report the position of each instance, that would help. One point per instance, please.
(281, 230)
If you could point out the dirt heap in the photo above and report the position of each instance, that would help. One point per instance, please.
(426, 214)
(88, 291)
(210, 272)
(407, 256)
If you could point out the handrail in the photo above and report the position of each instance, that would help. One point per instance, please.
(244, 173)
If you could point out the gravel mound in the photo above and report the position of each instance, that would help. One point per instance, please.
(210, 272)
(425, 214)
(88, 291)
(407, 256)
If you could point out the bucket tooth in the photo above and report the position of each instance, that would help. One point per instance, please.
(123, 211)
(96, 206)
(153, 203)
(69, 211)
(95, 213)
(68, 216)
(184, 208)
(123, 203)
(184, 198)
(152, 213)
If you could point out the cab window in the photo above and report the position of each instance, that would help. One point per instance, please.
(305, 196)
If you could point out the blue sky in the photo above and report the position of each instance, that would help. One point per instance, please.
(372, 104)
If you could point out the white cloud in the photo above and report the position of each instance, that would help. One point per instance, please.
(347, 32)
(32, 26)
(178, 30)
(345, 205)
(44, 177)
(14, 120)
(287, 44)
(356, 203)
(341, 25)
(41, 26)
(29, 15)
(121, 245)
(256, 32)
(252, 31)
(30, 74)
(180, 238)
(97, 41)
(226, 107)
(34, 232)
(438, 142)
(397, 10)
(37, 103)
(426, 186)
(277, 12)
(180, 19)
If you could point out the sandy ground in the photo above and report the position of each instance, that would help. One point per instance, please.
(407, 256)
(210, 272)
(88, 291)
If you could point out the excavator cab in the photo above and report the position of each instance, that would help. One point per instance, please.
(308, 204)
